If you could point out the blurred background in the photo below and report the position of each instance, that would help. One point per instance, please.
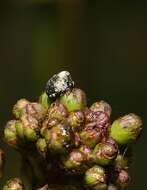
(102, 43)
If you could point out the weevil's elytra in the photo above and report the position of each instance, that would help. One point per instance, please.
(58, 84)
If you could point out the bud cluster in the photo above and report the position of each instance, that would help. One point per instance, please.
(76, 139)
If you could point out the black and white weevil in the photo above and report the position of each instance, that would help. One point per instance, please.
(58, 84)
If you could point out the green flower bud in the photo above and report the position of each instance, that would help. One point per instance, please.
(78, 161)
(126, 129)
(19, 108)
(90, 136)
(41, 146)
(74, 100)
(112, 187)
(14, 184)
(101, 106)
(95, 178)
(74, 160)
(44, 100)
(10, 134)
(76, 120)
(23, 107)
(123, 179)
(44, 188)
(46, 133)
(104, 153)
(59, 138)
(19, 129)
(57, 111)
(30, 127)
(2, 159)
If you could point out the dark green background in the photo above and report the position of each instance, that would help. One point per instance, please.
(102, 43)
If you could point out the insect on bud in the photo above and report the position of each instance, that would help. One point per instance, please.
(58, 84)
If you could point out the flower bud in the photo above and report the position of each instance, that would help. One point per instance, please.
(34, 109)
(74, 100)
(97, 120)
(123, 179)
(30, 127)
(41, 146)
(2, 159)
(101, 106)
(87, 153)
(95, 178)
(90, 136)
(19, 108)
(10, 134)
(74, 160)
(104, 153)
(19, 130)
(44, 100)
(46, 125)
(14, 184)
(126, 129)
(76, 120)
(78, 160)
(59, 138)
(57, 111)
